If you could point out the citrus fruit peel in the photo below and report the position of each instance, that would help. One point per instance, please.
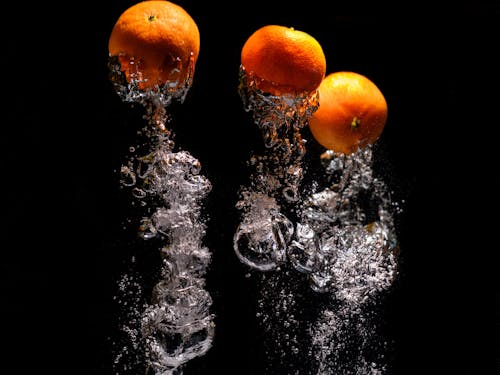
(281, 60)
(352, 112)
(156, 42)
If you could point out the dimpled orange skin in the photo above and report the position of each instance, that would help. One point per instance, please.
(160, 36)
(352, 113)
(284, 60)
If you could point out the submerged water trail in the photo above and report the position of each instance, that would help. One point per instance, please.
(337, 236)
(346, 243)
(264, 232)
(170, 323)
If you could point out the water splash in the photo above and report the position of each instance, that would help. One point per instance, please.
(262, 237)
(338, 234)
(173, 324)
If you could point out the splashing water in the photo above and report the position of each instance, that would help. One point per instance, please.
(173, 324)
(339, 237)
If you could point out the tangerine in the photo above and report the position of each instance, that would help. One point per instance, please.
(282, 60)
(352, 112)
(156, 41)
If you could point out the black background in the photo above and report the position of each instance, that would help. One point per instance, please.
(66, 133)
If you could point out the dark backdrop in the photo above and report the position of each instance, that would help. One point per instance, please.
(66, 133)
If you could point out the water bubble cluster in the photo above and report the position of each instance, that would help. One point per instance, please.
(347, 341)
(345, 238)
(175, 323)
(346, 243)
(177, 326)
(128, 90)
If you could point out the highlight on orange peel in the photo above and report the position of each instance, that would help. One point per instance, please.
(156, 41)
(283, 60)
(352, 112)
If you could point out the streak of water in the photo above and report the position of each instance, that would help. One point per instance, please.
(173, 324)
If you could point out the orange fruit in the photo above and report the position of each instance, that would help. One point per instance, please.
(156, 42)
(352, 112)
(283, 60)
